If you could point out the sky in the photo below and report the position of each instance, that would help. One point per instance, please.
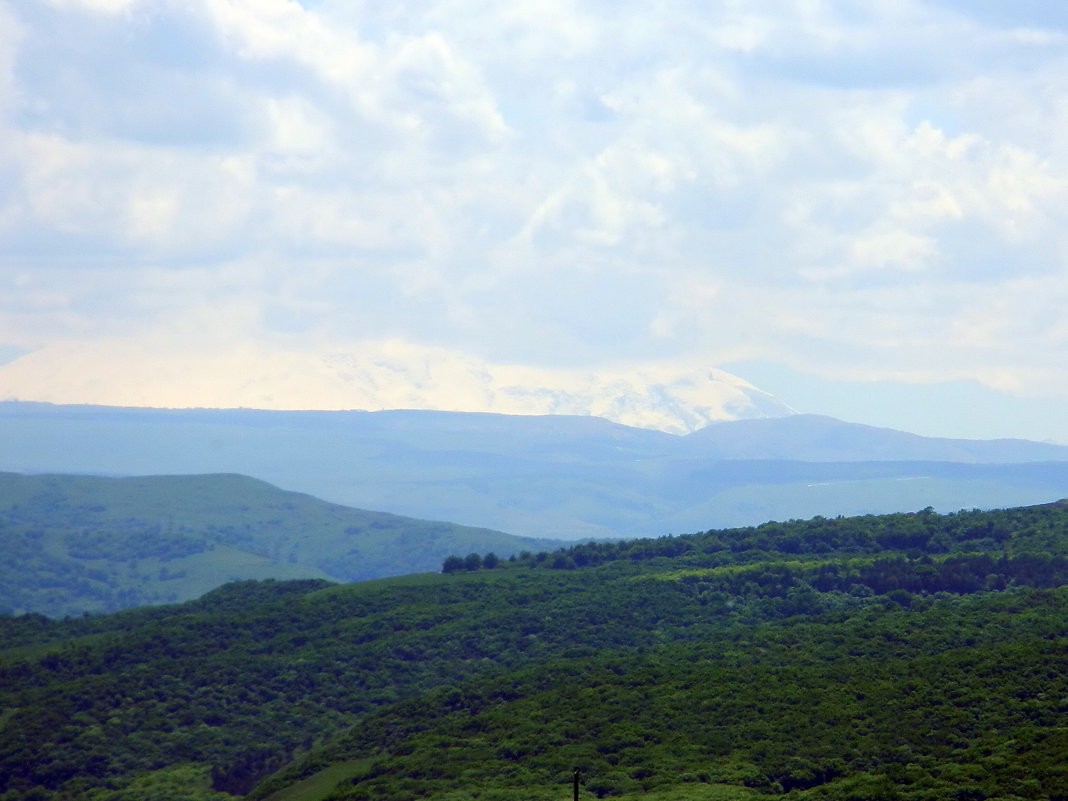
(857, 206)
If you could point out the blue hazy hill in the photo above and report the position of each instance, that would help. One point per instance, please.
(546, 476)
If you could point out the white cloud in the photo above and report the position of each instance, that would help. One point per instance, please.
(97, 6)
(873, 189)
(372, 376)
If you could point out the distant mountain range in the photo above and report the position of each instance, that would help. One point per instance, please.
(379, 376)
(817, 438)
(546, 476)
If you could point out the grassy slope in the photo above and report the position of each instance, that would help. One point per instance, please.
(83, 543)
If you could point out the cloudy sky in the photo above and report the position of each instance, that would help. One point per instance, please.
(857, 205)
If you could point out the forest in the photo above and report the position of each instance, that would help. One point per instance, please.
(905, 656)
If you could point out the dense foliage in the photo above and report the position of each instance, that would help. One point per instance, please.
(956, 701)
(1026, 529)
(903, 656)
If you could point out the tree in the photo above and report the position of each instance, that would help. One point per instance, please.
(563, 562)
(452, 564)
(472, 561)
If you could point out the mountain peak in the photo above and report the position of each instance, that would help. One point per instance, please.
(378, 376)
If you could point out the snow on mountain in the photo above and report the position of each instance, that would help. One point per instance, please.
(376, 376)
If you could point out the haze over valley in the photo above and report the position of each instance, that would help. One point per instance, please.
(545, 476)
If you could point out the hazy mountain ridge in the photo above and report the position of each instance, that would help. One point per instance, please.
(818, 438)
(544, 476)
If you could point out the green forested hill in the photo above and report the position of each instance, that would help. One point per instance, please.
(904, 656)
(947, 702)
(88, 543)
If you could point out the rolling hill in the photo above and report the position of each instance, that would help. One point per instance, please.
(78, 544)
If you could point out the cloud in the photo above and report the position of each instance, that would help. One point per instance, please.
(850, 189)
(375, 376)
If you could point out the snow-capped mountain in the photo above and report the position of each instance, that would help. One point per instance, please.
(377, 376)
